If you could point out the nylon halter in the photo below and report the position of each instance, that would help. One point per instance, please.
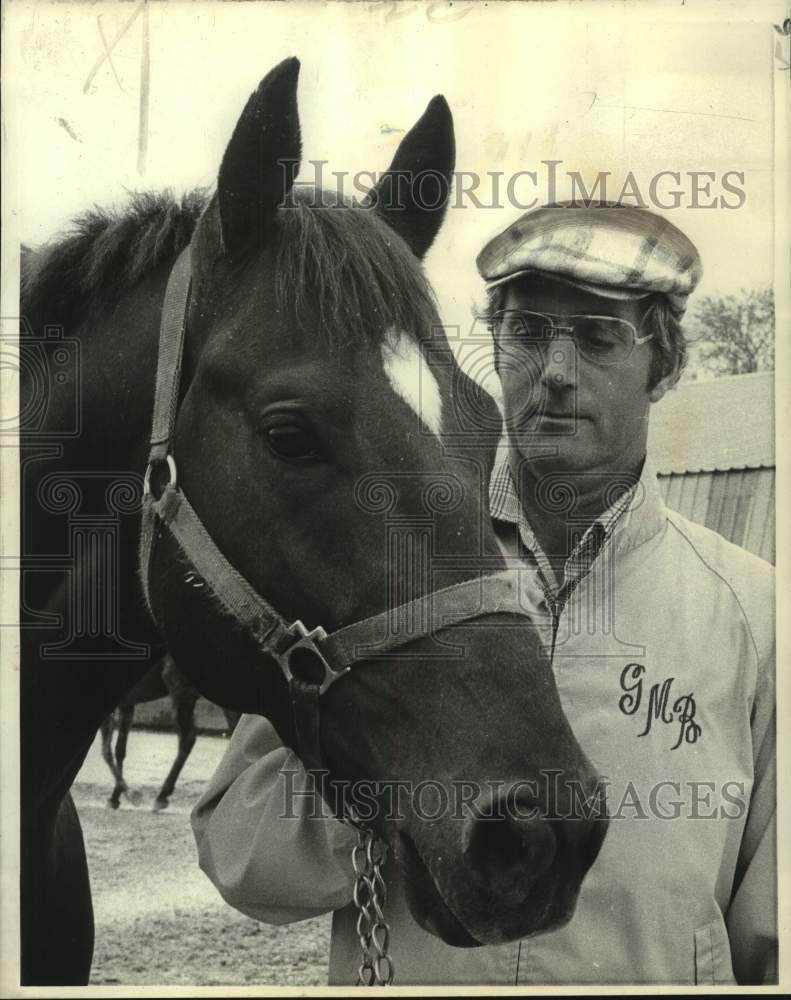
(311, 660)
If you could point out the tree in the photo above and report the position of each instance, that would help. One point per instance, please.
(733, 334)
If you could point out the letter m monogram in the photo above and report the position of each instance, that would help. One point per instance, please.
(657, 705)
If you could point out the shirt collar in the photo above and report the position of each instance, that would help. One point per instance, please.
(504, 506)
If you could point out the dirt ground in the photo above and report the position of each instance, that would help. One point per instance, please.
(158, 918)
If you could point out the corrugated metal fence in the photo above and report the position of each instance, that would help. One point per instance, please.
(738, 504)
(713, 447)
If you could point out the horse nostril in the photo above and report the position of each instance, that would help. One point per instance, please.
(509, 851)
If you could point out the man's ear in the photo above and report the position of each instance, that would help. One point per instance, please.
(662, 386)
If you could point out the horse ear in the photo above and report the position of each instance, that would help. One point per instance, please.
(412, 195)
(261, 160)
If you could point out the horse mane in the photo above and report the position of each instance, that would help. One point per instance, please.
(106, 252)
(337, 264)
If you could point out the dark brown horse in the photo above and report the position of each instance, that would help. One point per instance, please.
(164, 679)
(332, 458)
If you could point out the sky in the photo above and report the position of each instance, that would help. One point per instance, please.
(599, 87)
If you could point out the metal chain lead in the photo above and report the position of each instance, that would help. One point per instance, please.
(370, 893)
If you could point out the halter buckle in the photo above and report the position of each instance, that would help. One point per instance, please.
(304, 660)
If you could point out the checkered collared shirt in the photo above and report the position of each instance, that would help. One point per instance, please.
(504, 506)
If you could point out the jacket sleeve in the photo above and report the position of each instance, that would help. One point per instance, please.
(752, 914)
(268, 842)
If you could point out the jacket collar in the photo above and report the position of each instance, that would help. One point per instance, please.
(646, 514)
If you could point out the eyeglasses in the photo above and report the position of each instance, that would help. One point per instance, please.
(601, 340)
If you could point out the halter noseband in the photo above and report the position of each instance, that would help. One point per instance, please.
(311, 660)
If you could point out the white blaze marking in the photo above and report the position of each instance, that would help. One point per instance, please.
(409, 374)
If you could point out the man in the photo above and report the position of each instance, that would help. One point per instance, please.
(663, 647)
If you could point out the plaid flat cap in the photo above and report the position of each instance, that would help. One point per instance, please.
(617, 251)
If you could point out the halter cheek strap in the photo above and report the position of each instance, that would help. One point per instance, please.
(310, 659)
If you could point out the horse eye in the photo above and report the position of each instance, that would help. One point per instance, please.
(292, 441)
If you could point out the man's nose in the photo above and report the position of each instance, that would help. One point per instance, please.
(560, 363)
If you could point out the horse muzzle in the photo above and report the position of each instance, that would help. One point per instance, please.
(518, 872)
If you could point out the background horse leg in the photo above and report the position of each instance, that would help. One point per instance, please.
(126, 714)
(106, 731)
(184, 702)
(116, 761)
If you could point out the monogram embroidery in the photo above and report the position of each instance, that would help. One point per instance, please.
(658, 704)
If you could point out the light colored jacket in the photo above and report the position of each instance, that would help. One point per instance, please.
(664, 662)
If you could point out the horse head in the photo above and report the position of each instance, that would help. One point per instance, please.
(332, 448)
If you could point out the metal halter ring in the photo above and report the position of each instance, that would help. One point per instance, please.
(304, 660)
(172, 481)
